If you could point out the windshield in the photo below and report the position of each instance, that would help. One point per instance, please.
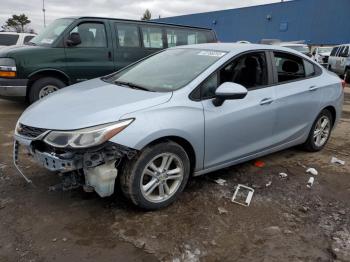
(8, 39)
(325, 49)
(299, 48)
(167, 71)
(51, 32)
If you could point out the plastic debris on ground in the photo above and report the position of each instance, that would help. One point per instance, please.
(335, 160)
(243, 195)
(269, 184)
(259, 163)
(310, 182)
(312, 171)
(222, 210)
(220, 181)
(283, 175)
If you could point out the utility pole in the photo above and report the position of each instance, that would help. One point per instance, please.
(44, 13)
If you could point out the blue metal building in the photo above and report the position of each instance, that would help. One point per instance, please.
(317, 22)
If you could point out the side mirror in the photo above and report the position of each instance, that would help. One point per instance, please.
(73, 39)
(314, 52)
(229, 91)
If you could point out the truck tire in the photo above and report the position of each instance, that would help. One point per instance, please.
(43, 87)
(156, 176)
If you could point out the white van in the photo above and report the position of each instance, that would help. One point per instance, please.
(13, 38)
(339, 61)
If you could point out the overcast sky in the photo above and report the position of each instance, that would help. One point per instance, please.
(129, 9)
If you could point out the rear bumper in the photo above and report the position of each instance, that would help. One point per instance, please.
(13, 88)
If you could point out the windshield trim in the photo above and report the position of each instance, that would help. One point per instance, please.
(108, 77)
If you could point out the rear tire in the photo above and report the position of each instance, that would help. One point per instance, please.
(320, 132)
(44, 86)
(156, 176)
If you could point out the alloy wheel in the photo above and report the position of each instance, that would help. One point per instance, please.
(162, 177)
(322, 131)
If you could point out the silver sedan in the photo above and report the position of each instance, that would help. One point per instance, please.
(184, 111)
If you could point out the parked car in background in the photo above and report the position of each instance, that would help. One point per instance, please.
(72, 50)
(302, 48)
(12, 38)
(339, 61)
(321, 54)
(186, 110)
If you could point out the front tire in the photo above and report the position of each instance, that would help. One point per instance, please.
(155, 178)
(43, 87)
(320, 132)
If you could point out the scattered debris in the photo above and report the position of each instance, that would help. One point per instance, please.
(222, 210)
(243, 199)
(54, 239)
(273, 230)
(259, 163)
(310, 182)
(269, 184)
(283, 175)
(335, 160)
(302, 165)
(304, 209)
(64, 239)
(341, 245)
(221, 182)
(312, 171)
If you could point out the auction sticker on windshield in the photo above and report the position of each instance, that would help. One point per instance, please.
(211, 53)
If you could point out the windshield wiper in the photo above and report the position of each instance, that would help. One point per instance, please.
(131, 85)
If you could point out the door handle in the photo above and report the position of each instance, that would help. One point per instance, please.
(313, 88)
(266, 101)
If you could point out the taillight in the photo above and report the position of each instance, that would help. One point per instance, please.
(343, 83)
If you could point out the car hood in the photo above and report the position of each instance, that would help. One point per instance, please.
(89, 103)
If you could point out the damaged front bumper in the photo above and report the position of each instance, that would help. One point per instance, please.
(98, 165)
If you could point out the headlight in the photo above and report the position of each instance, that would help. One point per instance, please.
(7, 67)
(87, 137)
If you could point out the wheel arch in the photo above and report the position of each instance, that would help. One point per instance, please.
(47, 73)
(185, 144)
(333, 112)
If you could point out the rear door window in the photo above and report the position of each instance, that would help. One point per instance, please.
(345, 52)
(8, 39)
(340, 50)
(152, 37)
(289, 67)
(128, 35)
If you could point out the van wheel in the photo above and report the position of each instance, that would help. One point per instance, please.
(320, 132)
(155, 178)
(43, 87)
(347, 76)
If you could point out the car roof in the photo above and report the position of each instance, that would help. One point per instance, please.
(137, 21)
(238, 47)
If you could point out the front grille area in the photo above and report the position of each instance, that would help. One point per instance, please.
(325, 59)
(29, 131)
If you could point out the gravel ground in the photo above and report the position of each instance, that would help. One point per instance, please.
(286, 221)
